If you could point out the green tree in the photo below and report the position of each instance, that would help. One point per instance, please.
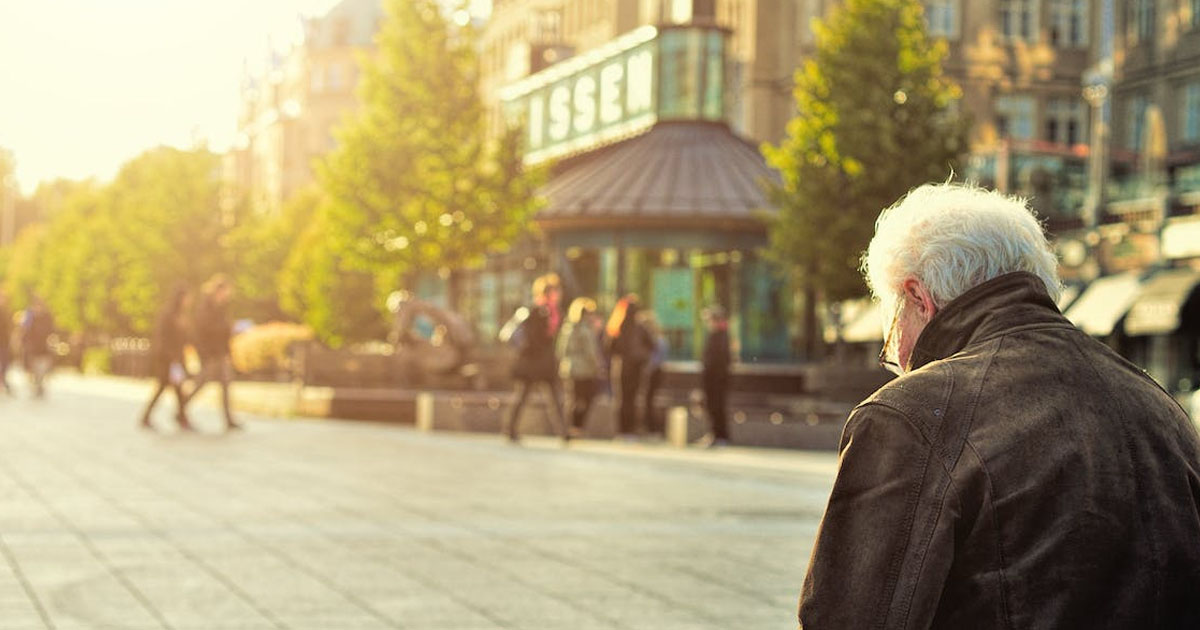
(259, 248)
(317, 288)
(876, 116)
(414, 182)
(21, 266)
(167, 226)
(106, 255)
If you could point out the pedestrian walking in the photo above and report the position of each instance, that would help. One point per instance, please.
(653, 374)
(166, 352)
(715, 376)
(631, 349)
(37, 325)
(212, 333)
(535, 364)
(581, 359)
(1017, 473)
(547, 293)
(6, 334)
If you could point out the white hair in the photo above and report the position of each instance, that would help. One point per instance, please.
(953, 237)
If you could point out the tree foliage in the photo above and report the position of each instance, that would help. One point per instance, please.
(317, 287)
(876, 116)
(107, 255)
(414, 182)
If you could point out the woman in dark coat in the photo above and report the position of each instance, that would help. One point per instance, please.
(167, 356)
(536, 363)
(633, 346)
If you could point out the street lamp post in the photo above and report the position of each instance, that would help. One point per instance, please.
(1096, 94)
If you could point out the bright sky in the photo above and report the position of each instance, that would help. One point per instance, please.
(87, 84)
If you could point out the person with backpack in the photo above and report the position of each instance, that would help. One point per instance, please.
(535, 364)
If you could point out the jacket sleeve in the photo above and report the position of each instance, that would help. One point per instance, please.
(885, 544)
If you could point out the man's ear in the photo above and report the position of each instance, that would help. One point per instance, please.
(918, 296)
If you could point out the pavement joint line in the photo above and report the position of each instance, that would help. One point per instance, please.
(433, 516)
(450, 551)
(704, 577)
(288, 560)
(678, 605)
(450, 592)
(91, 547)
(588, 535)
(9, 557)
(453, 594)
(203, 565)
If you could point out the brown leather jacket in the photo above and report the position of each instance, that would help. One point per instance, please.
(1021, 476)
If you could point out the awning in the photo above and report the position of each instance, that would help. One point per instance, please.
(1156, 310)
(1103, 303)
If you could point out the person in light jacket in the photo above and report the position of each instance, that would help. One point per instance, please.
(582, 359)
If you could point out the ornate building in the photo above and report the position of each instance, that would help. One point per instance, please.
(289, 112)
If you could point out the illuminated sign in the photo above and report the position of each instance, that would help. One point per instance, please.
(620, 89)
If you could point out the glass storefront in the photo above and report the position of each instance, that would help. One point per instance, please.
(678, 283)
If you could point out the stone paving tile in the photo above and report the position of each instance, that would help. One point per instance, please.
(348, 525)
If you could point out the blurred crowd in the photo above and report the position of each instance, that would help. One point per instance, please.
(591, 355)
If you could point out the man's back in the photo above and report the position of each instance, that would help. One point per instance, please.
(1023, 476)
(1081, 464)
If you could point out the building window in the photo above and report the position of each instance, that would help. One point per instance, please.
(942, 16)
(1140, 25)
(1191, 112)
(1014, 117)
(1018, 20)
(1068, 23)
(1135, 122)
(1065, 121)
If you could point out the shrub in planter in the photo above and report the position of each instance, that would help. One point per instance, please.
(264, 349)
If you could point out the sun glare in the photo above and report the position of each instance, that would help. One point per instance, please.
(88, 85)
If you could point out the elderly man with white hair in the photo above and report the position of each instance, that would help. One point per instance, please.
(1017, 474)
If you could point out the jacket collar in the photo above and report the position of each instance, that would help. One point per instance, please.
(997, 306)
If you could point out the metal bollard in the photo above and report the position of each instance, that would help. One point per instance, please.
(424, 420)
(677, 427)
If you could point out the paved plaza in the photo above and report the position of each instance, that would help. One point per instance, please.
(345, 525)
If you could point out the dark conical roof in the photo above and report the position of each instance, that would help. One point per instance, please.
(679, 170)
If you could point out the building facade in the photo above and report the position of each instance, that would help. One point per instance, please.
(1136, 250)
(289, 111)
